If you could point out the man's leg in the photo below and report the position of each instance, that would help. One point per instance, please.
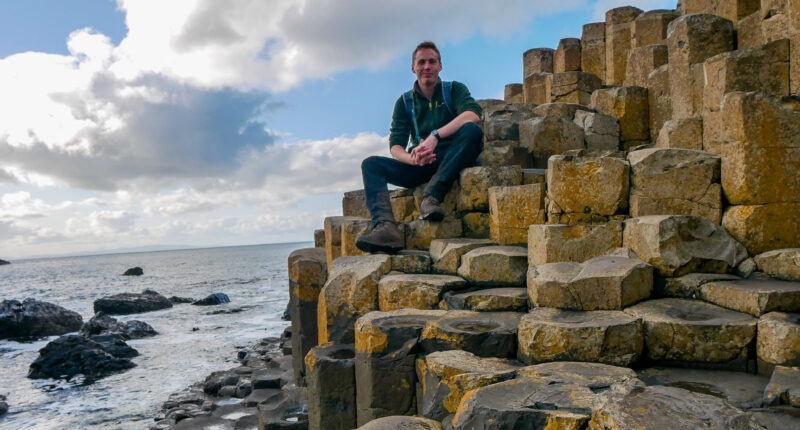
(461, 153)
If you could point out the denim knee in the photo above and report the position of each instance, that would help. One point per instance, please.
(370, 163)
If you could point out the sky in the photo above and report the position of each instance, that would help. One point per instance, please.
(138, 124)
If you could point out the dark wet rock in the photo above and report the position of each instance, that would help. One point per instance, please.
(597, 377)
(115, 345)
(134, 271)
(743, 390)
(3, 262)
(213, 299)
(131, 303)
(264, 395)
(103, 324)
(71, 355)
(267, 378)
(784, 387)
(32, 318)
(772, 419)
(229, 311)
(284, 412)
(287, 313)
(203, 423)
(331, 383)
(485, 334)
(180, 300)
(3, 404)
(215, 381)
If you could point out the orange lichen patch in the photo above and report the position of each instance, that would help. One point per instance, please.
(369, 338)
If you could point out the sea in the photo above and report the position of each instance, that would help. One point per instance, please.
(193, 341)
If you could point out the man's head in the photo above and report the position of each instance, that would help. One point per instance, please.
(426, 63)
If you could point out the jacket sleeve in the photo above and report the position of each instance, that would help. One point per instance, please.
(400, 129)
(462, 100)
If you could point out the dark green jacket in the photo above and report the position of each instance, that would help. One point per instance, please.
(431, 114)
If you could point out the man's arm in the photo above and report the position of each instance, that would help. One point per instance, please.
(424, 151)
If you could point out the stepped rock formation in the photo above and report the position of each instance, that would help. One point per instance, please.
(637, 206)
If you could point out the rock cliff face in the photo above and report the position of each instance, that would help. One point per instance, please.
(638, 205)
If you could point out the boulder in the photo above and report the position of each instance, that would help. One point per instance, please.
(599, 131)
(213, 299)
(680, 244)
(609, 337)
(780, 263)
(415, 291)
(687, 286)
(667, 408)
(549, 135)
(104, 324)
(3, 262)
(32, 318)
(446, 376)
(350, 292)
(331, 379)
(131, 303)
(681, 332)
(475, 182)
(500, 266)
(554, 243)
(593, 49)
(597, 377)
(411, 261)
(778, 340)
(177, 300)
(630, 106)
(487, 300)
(70, 355)
(754, 296)
(446, 253)
(668, 181)
(3, 405)
(513, 209)
(783, 387)
(134, 271)
(525, 403)
(386, 348)
(481, 333)
(602, 283)
(402, 423)
(115, 345)
(420, 233)
(308, 271)
(742, 390)
(586, 190)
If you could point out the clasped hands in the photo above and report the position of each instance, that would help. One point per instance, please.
(423, 154)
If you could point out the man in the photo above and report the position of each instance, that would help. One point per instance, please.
(452, 141)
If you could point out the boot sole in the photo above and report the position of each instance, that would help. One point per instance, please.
(373, 248)
(433, 216)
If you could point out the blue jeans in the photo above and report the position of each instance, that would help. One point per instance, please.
(452, 155)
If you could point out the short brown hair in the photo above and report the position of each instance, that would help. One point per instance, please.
(425, 45)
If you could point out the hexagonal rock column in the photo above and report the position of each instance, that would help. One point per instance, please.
(730, 9)
(593, 49)
(420, 233)
(688, 332)
(525, 403)
(319, 238)
(780, 263)
(564, 110)
(660, 103)
(350, 292)
(666, 408)
(403, 205)
(618, 42)
(475, 225)
(567, 57)
(333, 236)
(599, 131)
(650, 28)
(386, 348)
(537, 88)
(686, 133)
(513, 93)
(308, 272)
(488, 300)
(754, 296)
(779, 339)
(602, 283)
(549, 135)
(352, 229)
(574, 87)
(354, 203)
(675, 182)
(446, 253)
(497, 153)
(610, 337)
(415, 291)
(643, 61)
(512, 210)
(783, 387)
(402, 423)
(553, 243)
(630, 105)
(499, 266)
(331, 390)
(586, 190)
(743, 390)
(763, 228)
(765, 68)
(475, 182)
(680, 244)
(447, 375)
(595, 376)
(691, 40)
(485, 334)
(687, 286)
(411, 261)
(537, 60)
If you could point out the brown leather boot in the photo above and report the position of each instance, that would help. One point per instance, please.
(385, 237)
(430, 210)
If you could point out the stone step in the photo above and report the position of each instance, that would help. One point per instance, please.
(401, 422)
(610, 337)
(512, 209)
(687, 286)
(487, 300)
(554, 243)
(780, 263)
(415, 291)
(690, 333)
(778, 340)
(485, 334)
(595, 376)
(743, 390)
(497, 266)
(783, 387)
(754, 296)
(446, 253)
(602, 283)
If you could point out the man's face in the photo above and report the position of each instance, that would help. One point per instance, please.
(426, 66)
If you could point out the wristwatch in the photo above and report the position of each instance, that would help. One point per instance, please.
(435, 132)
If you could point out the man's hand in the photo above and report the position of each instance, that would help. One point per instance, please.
(424, 152)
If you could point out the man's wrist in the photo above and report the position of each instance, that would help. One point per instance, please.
(435, 133)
